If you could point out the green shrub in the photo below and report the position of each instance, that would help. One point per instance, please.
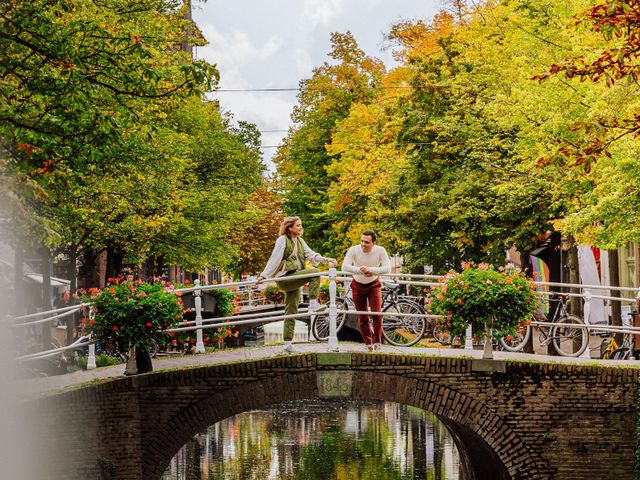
(504, 298)
(132, 314)
(273, 294)
(102, 360)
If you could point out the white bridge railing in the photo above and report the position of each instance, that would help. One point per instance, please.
(200, 324)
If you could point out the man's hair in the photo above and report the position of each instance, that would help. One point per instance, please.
(371, 234)
(286, 224)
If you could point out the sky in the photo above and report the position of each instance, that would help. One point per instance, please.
(276, 43)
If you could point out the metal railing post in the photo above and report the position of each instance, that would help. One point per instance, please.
(333, 312)
(91, 359)
(468, 338)
(198, 305)
(586, 308)
(634, 348)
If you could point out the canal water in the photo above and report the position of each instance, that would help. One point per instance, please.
(321, 440)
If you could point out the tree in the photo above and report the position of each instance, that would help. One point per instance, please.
(104, 120)
(478, 124)
(255, 231)
(618, 25)
(366, 157)
(222, 169)
(605, 145)
(324, 99)
(76, 74)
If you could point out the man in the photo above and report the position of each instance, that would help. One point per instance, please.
(366, 261)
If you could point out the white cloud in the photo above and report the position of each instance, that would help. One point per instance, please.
(258, 44)
(322, 11)
(236, 47)
(304, 63)
(267, 111)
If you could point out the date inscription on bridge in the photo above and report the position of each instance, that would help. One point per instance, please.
(334, 384)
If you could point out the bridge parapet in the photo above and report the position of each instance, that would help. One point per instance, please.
(527, 420)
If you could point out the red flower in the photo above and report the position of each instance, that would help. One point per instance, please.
(149, 324)
(115, 327)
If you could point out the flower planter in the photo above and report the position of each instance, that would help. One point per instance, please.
(132, 316)
(490, 300)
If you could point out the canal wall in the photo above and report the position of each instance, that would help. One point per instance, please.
(518, 420)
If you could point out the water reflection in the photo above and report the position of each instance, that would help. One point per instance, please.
(321, 440)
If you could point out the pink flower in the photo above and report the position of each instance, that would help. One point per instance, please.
(489, 282)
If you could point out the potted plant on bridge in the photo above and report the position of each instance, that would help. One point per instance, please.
(273, 294)
(131, 316)
(489, 300)
(225, 306)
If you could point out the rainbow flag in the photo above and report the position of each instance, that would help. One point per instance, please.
(541, 274)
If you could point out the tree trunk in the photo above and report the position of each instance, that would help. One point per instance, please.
(575, 303)
(46, 295)
(114, 262)
(18, 283)
(614, 281)
(73, 287)
(525, 265)
(91, 264)
(159, 265)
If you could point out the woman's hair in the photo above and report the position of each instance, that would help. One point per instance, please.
(286, 224)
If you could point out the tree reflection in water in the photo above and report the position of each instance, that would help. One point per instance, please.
(321, 440)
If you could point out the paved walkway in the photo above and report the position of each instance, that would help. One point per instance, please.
(48, 384)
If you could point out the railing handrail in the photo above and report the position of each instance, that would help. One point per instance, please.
(346, 276)
(80, 342)
(333, 275)
(45, 320)
(48, 312)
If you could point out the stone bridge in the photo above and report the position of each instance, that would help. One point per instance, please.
(511, 419)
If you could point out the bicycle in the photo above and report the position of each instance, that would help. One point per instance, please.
(402, 330)
(614, 351)
(396, 330)
(320, 323)
(568, 335)
(505, 343)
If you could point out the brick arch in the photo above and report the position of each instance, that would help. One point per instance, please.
(479, 433)
(167, 439)
(475, 427)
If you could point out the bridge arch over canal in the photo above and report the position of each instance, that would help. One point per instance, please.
(524, 420)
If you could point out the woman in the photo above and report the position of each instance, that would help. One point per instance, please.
(287, 259)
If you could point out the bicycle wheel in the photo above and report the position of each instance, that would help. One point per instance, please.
(622, 353)
(320, 327)
(440, 335)
(568, 338)
(155, 347)
(400, 330)
(517, 341)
